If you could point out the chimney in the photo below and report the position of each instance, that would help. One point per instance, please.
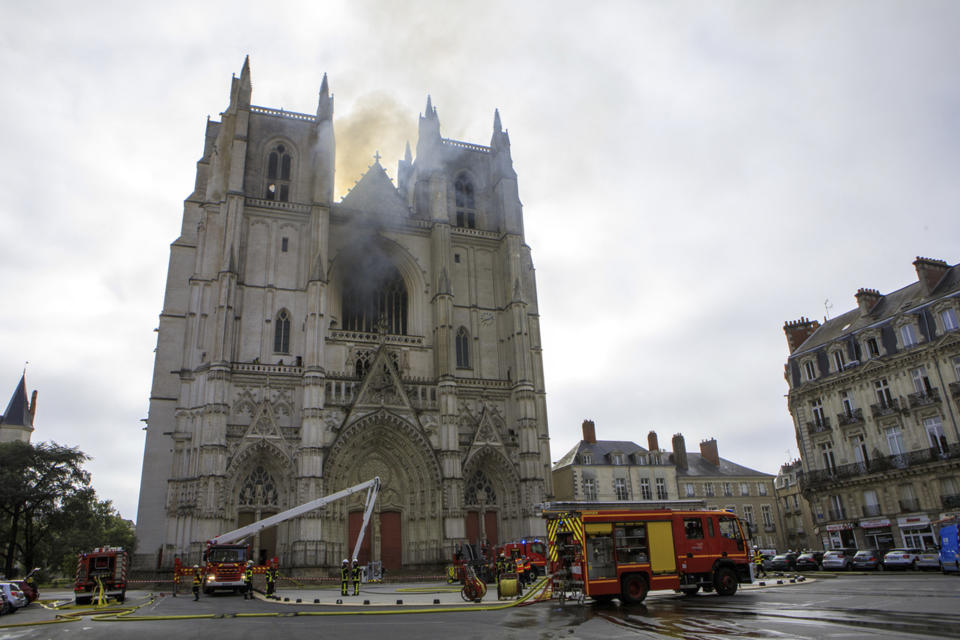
(33, 406)
(680, 451)
(930, 272)
(867, 299)
(798, 331)
(652, 443)
(708, 451)
(589, 432)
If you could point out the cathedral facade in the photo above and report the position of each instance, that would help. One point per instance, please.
(307, 345)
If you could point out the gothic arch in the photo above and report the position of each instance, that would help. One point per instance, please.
(491, 486)
(275, 462)
(400, 258)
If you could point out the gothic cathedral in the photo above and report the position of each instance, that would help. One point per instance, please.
(307, 345)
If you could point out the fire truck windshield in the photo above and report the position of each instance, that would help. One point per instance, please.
(227, 555)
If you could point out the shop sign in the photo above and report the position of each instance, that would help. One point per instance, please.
(874, 524)
(843, 526)
(912, 522)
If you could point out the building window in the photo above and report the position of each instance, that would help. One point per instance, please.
(727, 489)
(921, 383)
(466, 208)
(836, 508)
(883, 393)
(762, 488)
(748, 513)
(809, 371)
(956, 367)
(278, 174)
(661, 489)
(873, 349)
(373, 296)
(617, 458)
(463, 348)
(871, 505)
(935, 435)
(826, 451)
(846, 400)
(859, 448)
(744, 489)
(796, 501)
(589, 489)
(948, 317)
(817, 407)
(908, 335)
(620, 488)
(689, 490)
(765, 514)
(895, 440)
(586, 458)
(281, 333)
(645, 489)
(838, 360)
(708, 489)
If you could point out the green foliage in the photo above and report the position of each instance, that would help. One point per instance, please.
(48, 512)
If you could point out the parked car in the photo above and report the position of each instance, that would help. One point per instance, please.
(13, 594)
(870, 559)
(901, 559)
(809, 561)
(929, 559)
(838, 559)
(784, 562)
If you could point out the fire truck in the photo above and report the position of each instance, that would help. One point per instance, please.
(226, 555)
(626, 549)
(101, 574)
(534, 548)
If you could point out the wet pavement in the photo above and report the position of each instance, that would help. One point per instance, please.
(880, 606)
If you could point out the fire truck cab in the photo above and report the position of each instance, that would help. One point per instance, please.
(624, 550)
(223, 567)
(533, 548)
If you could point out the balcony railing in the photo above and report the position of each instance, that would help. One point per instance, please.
(950, 502)
(820, 477)
(819, 426)
(850, 417)
(769, 528)
(910, 504)
(870, 510)
(927, 398)
(882, 409)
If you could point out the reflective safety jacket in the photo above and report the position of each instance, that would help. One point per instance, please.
(196, 579)
(357, 573)
(345, 573)
(248, 575)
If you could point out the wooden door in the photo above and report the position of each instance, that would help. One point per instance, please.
(490, 527)
(391, 539)
(473, 526)
(353, 530)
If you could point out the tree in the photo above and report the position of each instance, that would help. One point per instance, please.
(44, 495)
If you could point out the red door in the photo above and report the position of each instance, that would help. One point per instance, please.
(353, 528)
(473, 526)
(391, 539)
(490, 527)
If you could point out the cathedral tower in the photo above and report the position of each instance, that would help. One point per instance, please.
(307, 345)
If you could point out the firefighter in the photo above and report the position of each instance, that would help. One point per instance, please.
(501, 565)
(758, 563)
(271, 580)
(196, 582)
(344, 577)
(356, 574)
(527, 570)
(248, 581)
(519, 569)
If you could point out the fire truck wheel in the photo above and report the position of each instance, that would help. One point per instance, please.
(535, 572)
(725, 581)
(634, 588)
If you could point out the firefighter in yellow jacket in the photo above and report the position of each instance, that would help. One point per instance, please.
(248, 581)
(356, 574)
(197, 580)
(344, 577)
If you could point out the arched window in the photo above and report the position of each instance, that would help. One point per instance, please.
(375, 298)
(479, 488)
(466, 209)
(278, 174)
(259, 490)
(281, 333)
(463, 348)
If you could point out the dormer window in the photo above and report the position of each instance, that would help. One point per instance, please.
(278, 174)
(466, 207)
(809, 370)
(908, 335)
(838, 360)
(872, 347)
(948, 319)
(586, 458)
(617, 458)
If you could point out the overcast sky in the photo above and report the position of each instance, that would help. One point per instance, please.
(693, 175)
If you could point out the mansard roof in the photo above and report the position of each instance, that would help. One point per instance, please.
(18, 409)
(905, 300)
(599, 450)
(698, 466)
(376, 193)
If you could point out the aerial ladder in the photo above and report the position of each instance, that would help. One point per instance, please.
(227, 554)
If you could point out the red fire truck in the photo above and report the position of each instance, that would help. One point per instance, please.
(101, 573)
(623, 549)
(533, 548)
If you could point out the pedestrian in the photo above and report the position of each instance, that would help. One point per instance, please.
(344, 577)
(357, 574)
(196, 582)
